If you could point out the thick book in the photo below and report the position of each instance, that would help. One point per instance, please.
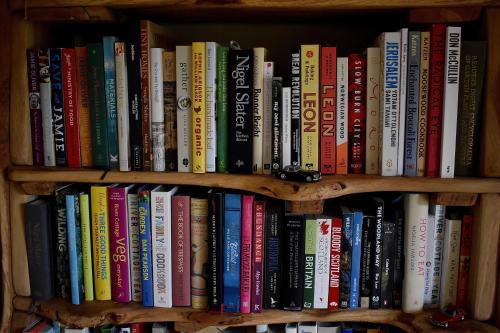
(61, 243)
(286, 126)
(309, 261)
(88, 280)
(451, 263)
(122, 107)
(221, 108)
(232, 252)
(184, 88)
(295, 105)
(215, 251)
(435, 110)
(157, 112)
(181, 250)
(377, 208)
(240, 110)
(58, 116)
(341, 160)
(108, 47)
(423, 105)
(246, 252)
(134, 245)
(464, 263)
(39, 247)
(434, 252)
(267, 117)
(49, 153)
(412, 104)
(199, 253)
(357, 226)
(68, 71)
(293, 262)
(258, 256)
(273, 257)
(372, 110)
(346, 257)
(198, 129)
(388, 231)
(309, 70)
(170, 110)
(277, 124)
(473, 62)
(328, 102)
(83, 106)
(259, 57)
(75, 247)
(210, 102)
(34, 105)
(335, 260)
(403, 86)
(322, 262)
(357, 113)
(366, 261)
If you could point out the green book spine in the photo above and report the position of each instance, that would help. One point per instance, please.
(98, 112)
(110, 92)
(222, 108)
(309, 258)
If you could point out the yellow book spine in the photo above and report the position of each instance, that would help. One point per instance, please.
(88, 281)
(199, 107)
(199, 253)
(100, 234)
(309, 72)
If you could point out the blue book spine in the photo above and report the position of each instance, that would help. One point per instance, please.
(412, 104)
(357, 231)
(145, 247)
(74, 248)
(110, 89)
(346, 330)
(232, 245)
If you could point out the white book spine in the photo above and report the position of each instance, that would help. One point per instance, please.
(308, 327)
(390, 48)
(134, 248)
(415, 243)
(286, 128)
(402, 99)
(210, 102)
(267, 117)
(451, 258)
(159, 248)
(259, 55)
(438, 213)
(122, 107)
(184, 108)
(372, 109)
(450, 101)
(291, 328)
(157, 112)
(429, 260)
(49, 150)
(322, 263)
(342, 114)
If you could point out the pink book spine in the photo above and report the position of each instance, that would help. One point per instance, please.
(246, 253)
(181, 251)
(118, 241)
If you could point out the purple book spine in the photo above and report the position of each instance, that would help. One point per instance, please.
(34, 104)
(120, 273)
(258, 257)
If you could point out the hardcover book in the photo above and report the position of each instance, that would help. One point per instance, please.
(246, 252)
(357, 113)
(122, 107)
(108, 47)
(259, 57)
(184, 88)
(199, 253)
(210, 89)
(170, 110)
(322, 262)
(157, 109)
(451, 263)
(134, 245)
(88, 281)
(181, 243)
(75, 247)
(49, 153)
(258, 256)
(232, 252)
(272, 248)
(199, 106)
(216, 251)
(277, 125)
(309, 261)
(58, 115)
(295, 106)
(372, 110)
(342, 117)
(328, 99)
(293, 262)
(34, 105)
(221, 108)
(423, 104)
(335, 262)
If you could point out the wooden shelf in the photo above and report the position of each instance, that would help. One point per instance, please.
(328, 187)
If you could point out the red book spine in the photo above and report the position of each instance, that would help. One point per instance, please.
(146, 120)
(328, 94)
(246, 253)
(34, 104)
(357, 113)
(334, 282)
(465, 251)
(70, 108)
(435, 111)
(258, 257)
(137, 328)
(181, 250)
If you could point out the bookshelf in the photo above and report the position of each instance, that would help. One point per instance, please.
(36, 22)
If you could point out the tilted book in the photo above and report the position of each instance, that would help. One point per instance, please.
(170, 110)
(184, 108)
(259, 56)
(357, 112)
(198, 72)
(108, 46)
(341, 159)
(451, 263)
(58, 115)
(199, 253)
(372, 110)
(181, 250)
(49, 153)
(423, 105)
(122, 107)
(210, 89)
(246, 252)
(34, 105)
(157, 112)
(328, 100)
(232, 252)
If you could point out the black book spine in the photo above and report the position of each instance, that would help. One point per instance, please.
(272, 261)
(366, 260)
(240, 110)
(377, 253)
(346, 260)
(397, 291)
(134, 100)
(39, 249)
(293, 260)
(387, 264)
(295, 106)
(215, 251)
(276, 124)
(62, 255)
(56, 87)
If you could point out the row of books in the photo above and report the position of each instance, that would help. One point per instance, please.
(408, 106)
(41, 325)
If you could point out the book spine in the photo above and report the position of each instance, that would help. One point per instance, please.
(357, 113)
(144, 208)
(335, 253)
(366, 261)
(157, 112)
(286, 127)
(434, 253)
(58, 107)
(272, 265)
(240, 112)
(199, 107)
(118, 241)
(108, 43)
(387, 264)
(309, 70)
(97, 100)
(451, 258)
(135, 104)
(221, 104)
(170, 110)
(372, 110)
(277, 124)
(34, 105)
(423, 102)
(345, 267)
(100, 245)
(464, 265)
(258, 256)
(246, 252)
(322, 262)
(376, 265)
(215, 251)
(184, 88)
(341, 160)
(293, 261)
(62, 270)
(296, 106)
(403, 87)
(309, 262)
(122, 107)
(267, 117)
(134, 247)
(355, 260)
(74, 248)
(181, 240)
(232, 252)
(210, 89)
(397, 290)
(83, 106)
(88, 281)
(49, 153)
(328, 94)
(145, 94)
(436, 85)
(259, 55)
(199, 237)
